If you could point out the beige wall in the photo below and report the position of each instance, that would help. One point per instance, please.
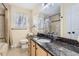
(55, 26)
(1, 23)
(17, 35)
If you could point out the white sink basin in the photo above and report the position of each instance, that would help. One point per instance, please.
(43, 40)
(61, 48)
(35, 38)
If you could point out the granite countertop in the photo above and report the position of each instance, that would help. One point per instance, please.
(58, 48)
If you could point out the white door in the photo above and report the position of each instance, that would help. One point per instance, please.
(72, 21)
(75, 21)
(68, 19)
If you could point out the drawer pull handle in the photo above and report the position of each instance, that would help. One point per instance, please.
(33, 45)
(36, 48)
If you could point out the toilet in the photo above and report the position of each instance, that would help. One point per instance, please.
(24, 43)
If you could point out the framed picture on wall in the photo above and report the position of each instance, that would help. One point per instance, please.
(20, 21)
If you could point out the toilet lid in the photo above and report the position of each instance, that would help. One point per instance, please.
(24, 41)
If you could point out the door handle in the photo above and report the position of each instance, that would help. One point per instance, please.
(69, 32)
(73, 32)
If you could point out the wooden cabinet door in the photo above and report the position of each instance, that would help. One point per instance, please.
(32, 48)
(40, 51)
(29, 47)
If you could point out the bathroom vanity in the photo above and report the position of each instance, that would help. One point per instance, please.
(42, 47)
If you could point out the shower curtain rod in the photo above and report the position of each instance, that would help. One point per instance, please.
(4, 6)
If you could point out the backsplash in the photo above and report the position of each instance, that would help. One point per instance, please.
(69, 41)
(65, 40)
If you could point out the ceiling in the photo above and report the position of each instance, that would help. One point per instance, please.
(26, 5)
(51, 10)
(48, 11)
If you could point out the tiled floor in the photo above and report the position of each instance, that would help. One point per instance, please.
(17, 52)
